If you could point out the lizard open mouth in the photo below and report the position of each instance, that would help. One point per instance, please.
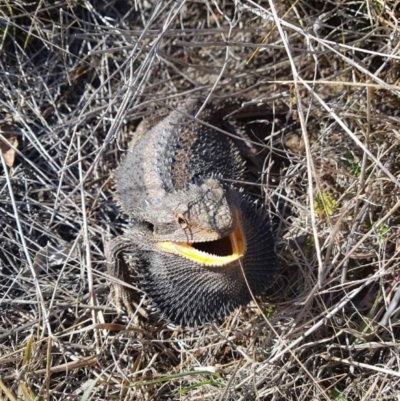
(211, 253)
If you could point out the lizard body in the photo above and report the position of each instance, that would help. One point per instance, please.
(197, 242)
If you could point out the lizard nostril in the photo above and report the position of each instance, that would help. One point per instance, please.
(182, 221)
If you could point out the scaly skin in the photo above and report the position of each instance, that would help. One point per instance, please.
(171, 187)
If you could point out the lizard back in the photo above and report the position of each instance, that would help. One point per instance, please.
(174, 153)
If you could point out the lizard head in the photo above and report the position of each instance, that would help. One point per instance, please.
(201, 223)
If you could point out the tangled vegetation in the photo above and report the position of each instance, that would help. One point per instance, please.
(77, 77)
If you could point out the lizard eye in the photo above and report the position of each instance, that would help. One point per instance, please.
(150, 226)
(180, 219)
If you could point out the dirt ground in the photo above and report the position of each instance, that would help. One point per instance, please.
(77, 77)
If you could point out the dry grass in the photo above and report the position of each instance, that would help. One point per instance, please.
(76, 79)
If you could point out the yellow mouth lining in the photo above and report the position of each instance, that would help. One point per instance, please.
(187, 250)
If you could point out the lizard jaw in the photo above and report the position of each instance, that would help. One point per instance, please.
(187, 250)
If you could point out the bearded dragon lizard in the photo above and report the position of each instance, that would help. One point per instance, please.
(199, 245)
